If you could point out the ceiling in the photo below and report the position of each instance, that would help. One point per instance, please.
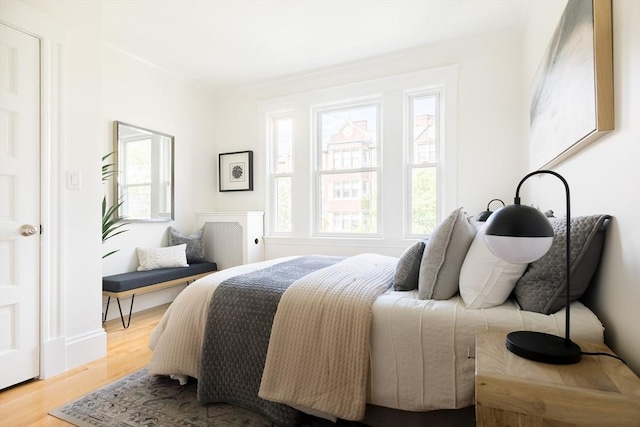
(230, 44)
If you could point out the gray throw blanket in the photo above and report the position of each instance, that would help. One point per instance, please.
(237, 332)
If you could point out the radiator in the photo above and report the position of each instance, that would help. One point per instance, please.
(232, 238)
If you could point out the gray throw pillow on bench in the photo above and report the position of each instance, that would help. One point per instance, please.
(194, 242)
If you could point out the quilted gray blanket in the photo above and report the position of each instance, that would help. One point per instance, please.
(237, 332)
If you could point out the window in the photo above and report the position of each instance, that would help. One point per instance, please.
(347, 159)
(145, 188)
(346, 189)
(385, 147)
(282, 169)
(137, 179)
(347, 162)
(423, 139)
(348, 221)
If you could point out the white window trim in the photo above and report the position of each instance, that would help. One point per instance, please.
(271, 192)
(299, 104)
(409, 156)
(316, 110)
(449, 150)
(447, 196)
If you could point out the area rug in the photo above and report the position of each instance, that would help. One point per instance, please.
(147, 400)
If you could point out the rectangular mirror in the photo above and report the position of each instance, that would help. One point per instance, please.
(145, 173)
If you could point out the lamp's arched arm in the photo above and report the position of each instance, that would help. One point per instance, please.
(494, 200)
(568, 245)
(516, 200)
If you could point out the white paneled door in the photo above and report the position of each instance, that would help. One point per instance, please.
(20, 206)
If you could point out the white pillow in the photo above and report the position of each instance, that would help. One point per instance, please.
(485, 280)
(152, 258)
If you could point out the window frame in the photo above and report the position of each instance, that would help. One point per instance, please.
(159, 181)
(318, 172)
(274, 175)
(392, 222)
(409, 164)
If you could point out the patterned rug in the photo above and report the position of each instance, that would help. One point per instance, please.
(140, 399)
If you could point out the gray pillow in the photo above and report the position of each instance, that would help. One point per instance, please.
(408, 268)
(194, 242)
(542, 287)
(443, 256)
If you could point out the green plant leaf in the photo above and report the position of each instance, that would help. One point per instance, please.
(108, 169)
(110, 253)
(112, 223)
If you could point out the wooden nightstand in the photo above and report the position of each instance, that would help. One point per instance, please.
(512, 391)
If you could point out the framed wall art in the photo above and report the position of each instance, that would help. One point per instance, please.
(236, 171)
(572, 93)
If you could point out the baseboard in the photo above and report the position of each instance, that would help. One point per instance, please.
(85, 348)
(53, 358)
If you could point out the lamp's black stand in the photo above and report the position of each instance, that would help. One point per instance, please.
(543, 347)
(539, 346)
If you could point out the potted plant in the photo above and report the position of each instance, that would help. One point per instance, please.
(112, 222)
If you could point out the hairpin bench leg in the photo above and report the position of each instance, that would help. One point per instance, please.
(130, 311)
(106, 310)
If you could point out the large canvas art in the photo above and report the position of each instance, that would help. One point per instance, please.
(572, 98)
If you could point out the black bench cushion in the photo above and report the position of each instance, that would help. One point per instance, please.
(139, 279)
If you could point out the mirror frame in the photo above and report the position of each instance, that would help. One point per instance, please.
(119, 168)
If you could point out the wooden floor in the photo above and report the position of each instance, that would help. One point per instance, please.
(28, 404)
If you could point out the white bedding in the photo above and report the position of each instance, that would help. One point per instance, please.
(419, 348)
(422, 350)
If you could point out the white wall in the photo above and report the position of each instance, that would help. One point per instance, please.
(138, 93)
(82, 211)
(489, 155)
(71, 323)
(605, 178)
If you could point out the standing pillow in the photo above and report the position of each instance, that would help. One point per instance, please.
(194, 242)
(486, 280)
(408, 267)
(542, 287)
(153, 258)
(443, 257)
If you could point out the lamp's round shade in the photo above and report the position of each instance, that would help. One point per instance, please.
(483, 216)
(518, 234)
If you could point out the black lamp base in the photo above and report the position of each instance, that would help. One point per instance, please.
(544, 348)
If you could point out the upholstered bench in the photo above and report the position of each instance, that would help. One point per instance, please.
(140, 282)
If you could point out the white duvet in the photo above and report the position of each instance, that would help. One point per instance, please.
(421, 354)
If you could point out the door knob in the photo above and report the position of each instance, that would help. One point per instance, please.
(28, 230)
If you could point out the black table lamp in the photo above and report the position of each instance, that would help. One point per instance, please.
(484, 215)
(522, 234)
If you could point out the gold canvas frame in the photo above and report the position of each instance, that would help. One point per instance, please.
(550, 150)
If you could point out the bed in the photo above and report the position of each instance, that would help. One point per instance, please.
(342, 340)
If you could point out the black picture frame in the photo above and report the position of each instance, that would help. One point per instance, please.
(235, 171)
